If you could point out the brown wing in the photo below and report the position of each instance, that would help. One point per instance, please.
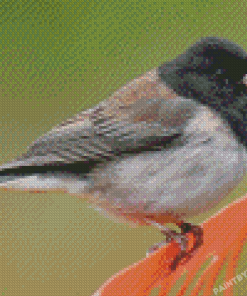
(143, 114)
(96, 137)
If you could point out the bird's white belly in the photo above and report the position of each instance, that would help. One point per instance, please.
(185, 181)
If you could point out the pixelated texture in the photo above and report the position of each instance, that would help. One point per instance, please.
(57, 58)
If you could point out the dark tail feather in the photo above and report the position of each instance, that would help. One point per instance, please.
(34, 176)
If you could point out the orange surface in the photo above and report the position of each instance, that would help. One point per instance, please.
(224, 236)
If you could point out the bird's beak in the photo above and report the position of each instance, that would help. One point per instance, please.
(245, 79)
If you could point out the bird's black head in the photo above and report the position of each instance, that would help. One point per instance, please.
(212, 71)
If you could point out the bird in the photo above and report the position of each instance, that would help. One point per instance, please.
(165, 147)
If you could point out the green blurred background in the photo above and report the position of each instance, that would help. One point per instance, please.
(57, 58)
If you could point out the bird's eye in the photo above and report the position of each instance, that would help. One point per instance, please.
(219, 71)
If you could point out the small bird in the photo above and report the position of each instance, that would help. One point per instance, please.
(167, 146)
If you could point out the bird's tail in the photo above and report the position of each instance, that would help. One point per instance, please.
(34, 176)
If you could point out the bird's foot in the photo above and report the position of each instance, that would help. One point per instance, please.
(190, 238)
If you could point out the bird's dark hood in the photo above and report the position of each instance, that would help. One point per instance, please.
(211, 72)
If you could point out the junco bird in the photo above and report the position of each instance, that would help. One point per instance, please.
(163, 148)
